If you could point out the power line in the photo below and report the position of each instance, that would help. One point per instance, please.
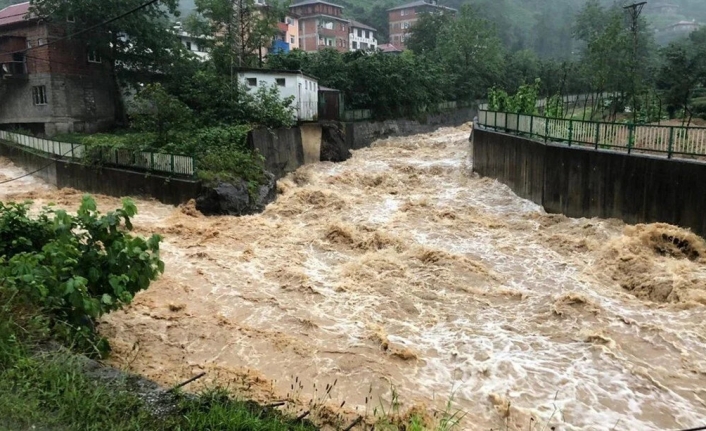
(93, 27)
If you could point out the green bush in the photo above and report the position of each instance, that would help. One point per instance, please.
(76, 268)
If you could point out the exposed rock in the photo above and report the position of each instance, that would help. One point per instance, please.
(233, 198)
(333, 144)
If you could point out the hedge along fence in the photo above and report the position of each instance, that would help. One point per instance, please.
(152, 162)
(689, 142)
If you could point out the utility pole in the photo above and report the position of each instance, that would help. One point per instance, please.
(634, 11)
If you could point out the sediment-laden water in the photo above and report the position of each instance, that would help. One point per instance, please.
(399, 268)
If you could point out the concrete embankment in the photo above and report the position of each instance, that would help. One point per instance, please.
(584, 182)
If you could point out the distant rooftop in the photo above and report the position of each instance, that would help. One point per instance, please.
(419, 3)
(358, 24)
(13, 14)
(308, 2)
(388, 47)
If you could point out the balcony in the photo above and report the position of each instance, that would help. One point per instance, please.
(327, 32)
(13, 70)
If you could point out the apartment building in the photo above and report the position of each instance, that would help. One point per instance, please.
(402, 18)
(321, 25)
(362, 37)
(287, 37)
(49, 84)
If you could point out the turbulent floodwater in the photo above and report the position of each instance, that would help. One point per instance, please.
(399, 268)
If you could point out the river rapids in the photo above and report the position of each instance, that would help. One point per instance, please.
(401, 276)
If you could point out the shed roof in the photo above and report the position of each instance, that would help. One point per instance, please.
(14, 14)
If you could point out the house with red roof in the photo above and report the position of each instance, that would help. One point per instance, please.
(51, 84)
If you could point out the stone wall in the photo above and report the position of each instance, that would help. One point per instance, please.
(107, 181)
(583, 182)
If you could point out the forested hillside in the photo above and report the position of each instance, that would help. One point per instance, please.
(541, 25)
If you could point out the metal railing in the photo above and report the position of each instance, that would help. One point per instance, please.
(148, 161)
(672, 141)
(357, 114)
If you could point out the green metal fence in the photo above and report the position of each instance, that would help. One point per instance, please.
(669, 140)
(156, 162)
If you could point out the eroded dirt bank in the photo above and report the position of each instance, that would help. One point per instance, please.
(398, 267)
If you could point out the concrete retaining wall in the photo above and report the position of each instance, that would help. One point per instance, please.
(582, 182)
(107, 181)
(362, 134)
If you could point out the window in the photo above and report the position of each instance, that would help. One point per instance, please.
(291, 40)
(355, 45)
(94, 57)
(41, 41)
(252, 82)
(404, 12)
(188, 45)
(329, 42)
(29, 43)
(405, 25)
(39, 95)
(306, 84)
(360, 33)
(282, 82)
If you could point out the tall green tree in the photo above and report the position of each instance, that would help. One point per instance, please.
(136, 46)
(472, 54)
(243, 29)
(424, 34)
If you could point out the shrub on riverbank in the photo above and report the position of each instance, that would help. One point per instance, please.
(58, 273)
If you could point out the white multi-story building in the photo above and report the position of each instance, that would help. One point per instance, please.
(362, 37)
(304, 88)
(195, 44)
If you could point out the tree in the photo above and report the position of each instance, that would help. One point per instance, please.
(155, 110)
(140, 42)
(472, 54)
(682, 71)
(136, 46)
(424, 34)
(243, 29)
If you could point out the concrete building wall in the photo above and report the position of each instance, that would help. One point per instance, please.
(304, 89)
(581, 182)
(78, 93)
(362, 38)
(400, 22)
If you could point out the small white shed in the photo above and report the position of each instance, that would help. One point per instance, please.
(303, 87)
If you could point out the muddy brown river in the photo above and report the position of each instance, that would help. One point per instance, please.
(400, 271)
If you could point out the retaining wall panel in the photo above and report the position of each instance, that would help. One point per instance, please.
(581, 182)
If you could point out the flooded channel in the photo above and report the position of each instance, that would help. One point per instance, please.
(401, 269)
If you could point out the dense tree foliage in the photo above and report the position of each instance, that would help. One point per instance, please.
(240, 30)
(75, 268)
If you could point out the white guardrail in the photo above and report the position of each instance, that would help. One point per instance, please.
(159, 162)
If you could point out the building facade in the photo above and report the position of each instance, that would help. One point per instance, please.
(362, 37)
(194, 44)
(321, 25)
(50, 85)
(287, 37)
(402, 18)
(303, 88)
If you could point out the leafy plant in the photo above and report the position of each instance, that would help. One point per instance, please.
(75, 267)
(155, 110)
(522, 102)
